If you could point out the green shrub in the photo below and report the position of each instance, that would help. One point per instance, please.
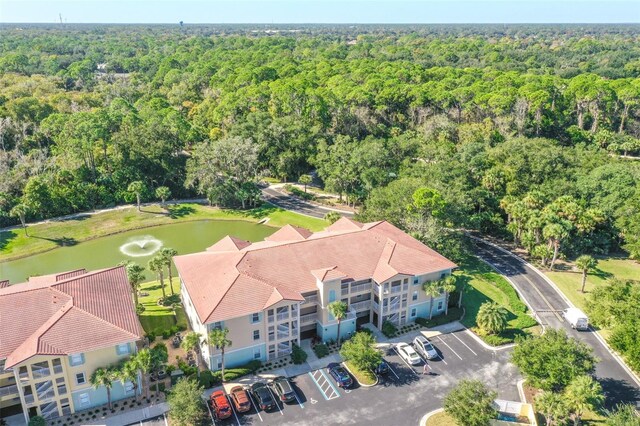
(298, 355)
(181, 319)
(37, 421)
(166, 334)
(207, 379)
(151, 336)
(388, 329)
(321, 350)
(140, 309)
(231, 374)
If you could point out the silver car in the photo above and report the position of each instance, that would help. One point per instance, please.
(424, 347)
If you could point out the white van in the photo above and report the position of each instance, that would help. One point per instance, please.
(576, 319)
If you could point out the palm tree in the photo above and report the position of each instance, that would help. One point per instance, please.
(555, 233)
(135, 275)
(136, 187)
(552, 405)
(103, 377)
(447, 284)
(218, 338)
(144, 361)
(192, 342)
(432, 289)
(584, 263)
(167, 254)
(163, 193)
(305, 180)
(339, 311)
(20, 211)
(492, 318)
(156, 264)
(582, 394)
(128, 372)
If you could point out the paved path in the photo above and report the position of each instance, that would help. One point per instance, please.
(287, 202)
(152, 415)
(618, 383)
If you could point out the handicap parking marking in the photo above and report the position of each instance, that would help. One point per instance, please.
(467, 346)
(456, 353)
(323, 383)
(255, 406)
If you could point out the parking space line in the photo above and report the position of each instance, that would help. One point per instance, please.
(234, 410)
(449, 347)
(406, 363)
(275, 400)
(330, 383)
(472, 351)
(213, 422)
(297, 399)
(255, 406)
(321, 381)
(394, 373)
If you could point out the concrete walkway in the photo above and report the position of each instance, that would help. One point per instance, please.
(133, 416)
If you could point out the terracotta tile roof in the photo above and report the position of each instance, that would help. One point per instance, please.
(229, 243)
(4, 283)
(78, 312)
(229, 284)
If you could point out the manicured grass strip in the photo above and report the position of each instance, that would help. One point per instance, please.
(363, 377)
(440, 419)
(156, 317)
(14, 244)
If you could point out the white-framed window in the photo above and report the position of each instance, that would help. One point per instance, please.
(414, 312)
(128, 387)
(219, 364)
(440, 305)
(415, 295)
(257, 354)
(81, 379)
(255, 318)
(256, 334)
(84, 399)
(76, 359)
(442, 275)
(416, 281)
(123, 349)
(217, 325)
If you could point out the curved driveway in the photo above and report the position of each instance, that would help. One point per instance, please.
(297, 205)
(617, 382)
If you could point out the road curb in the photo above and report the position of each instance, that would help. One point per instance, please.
(520, 386)
(486, 345)
(356, 377)
(423, 420)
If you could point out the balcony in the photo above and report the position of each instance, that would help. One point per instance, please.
(28, 399)
(396, 289)
(375, 305)
(313, 298)
(361, 306)
(283, 316)
(405, 287)
(309, 318)
(8, 390)
(270, 318)
(358, 288)
(351, 314)
(377, 288)
(283, 335)
(284, 348)
(40, 372)
(272, 337)
(344, 291)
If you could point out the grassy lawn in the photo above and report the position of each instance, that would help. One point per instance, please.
(14, 244)
(363, 377)
(483, 284)
(569, 282)
(440, 419)
(156, 317)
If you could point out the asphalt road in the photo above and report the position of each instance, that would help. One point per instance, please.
(618, 385)
(400, 398)
(294, 204)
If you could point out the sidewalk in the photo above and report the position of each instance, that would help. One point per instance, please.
(133, 416)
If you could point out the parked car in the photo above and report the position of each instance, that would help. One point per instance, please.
(382, 369)
(263, 396)
(424, 347)
(340, 375)
(220, 405)
(576, 319)
(240, 399)
(282, 388)
(407, 353)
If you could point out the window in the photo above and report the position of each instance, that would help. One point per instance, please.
(332, 296)
(76, 359)
(216, 325)
(80, 379)
(83, 399)
(62, 387)
(40, 369)
(440, 305)
(415, 296)
(255, 318)
(219, 364)
(257, 354)
(45, 390)
(2, 366)
(123, 349)
(128, 387)
(57, 366)
(416, 281)
(256, 334)
(414, 312)
(442, 275)
(406, 280)
(64, 405)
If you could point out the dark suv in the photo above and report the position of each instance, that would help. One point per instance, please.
(340, 375)
(263, 396)
(282, 388)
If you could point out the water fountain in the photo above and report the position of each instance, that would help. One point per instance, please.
(141, 246)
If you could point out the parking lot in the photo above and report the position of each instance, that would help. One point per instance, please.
(402, 397)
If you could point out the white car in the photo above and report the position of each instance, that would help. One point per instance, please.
(407, 353)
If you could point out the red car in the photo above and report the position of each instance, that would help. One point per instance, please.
(220, 405)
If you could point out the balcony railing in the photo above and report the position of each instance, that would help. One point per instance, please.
(351, 314)
(361, 306)
(283, 335)
(309, 318)
(270, 318)
(405, 287)
(376, 288)
(375, 306)
(8, 390)
(28, 399)
(40, 372)
(313, 298)
(344, 291)
(57, 369)
(283, 316)
(283, 348)
(396, 289)
(357, 288)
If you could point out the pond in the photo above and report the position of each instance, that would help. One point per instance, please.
(138, 246)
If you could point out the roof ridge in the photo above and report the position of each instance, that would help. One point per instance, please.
(228, 288)
(103, 320)
(88, 274)
(284, 243)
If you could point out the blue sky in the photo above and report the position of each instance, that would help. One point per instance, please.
(322, 11)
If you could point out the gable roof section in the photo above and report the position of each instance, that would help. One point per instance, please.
(229, 243)
(230, 284)
(79, 313)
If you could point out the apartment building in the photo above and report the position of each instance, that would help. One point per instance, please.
(56, 331)
(272, 293)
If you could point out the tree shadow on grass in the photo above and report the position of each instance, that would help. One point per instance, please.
(60, 242)
(600, 273)
(177, 211)
(7, 237)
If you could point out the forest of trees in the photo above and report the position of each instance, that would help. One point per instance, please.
(528, 131)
